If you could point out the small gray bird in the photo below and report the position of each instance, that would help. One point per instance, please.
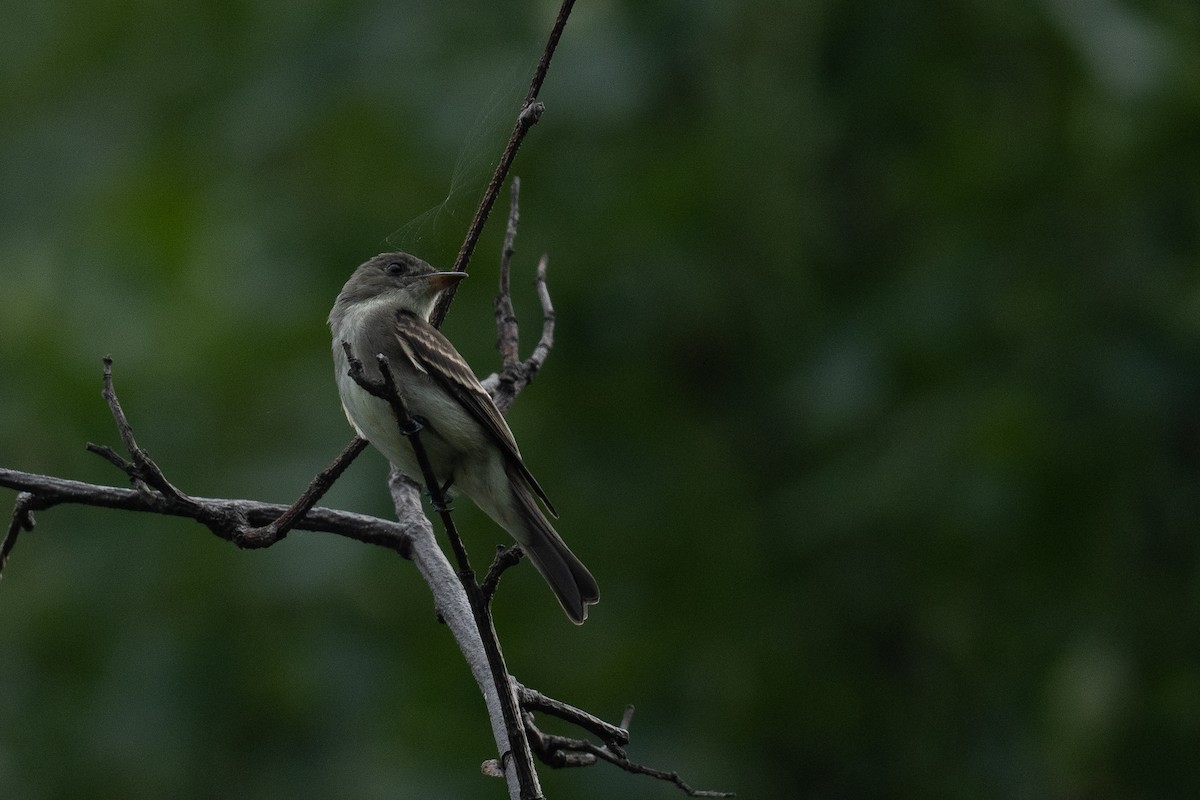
(384, 308)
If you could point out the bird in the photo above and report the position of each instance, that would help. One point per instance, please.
(384, 308)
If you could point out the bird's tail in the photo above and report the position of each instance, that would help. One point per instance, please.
(568, 578)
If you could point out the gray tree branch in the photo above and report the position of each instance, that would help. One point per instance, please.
(48, 491)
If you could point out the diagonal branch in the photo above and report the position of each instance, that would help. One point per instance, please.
(531, 112)
(276, 529)
(533, 700)
(411, 427)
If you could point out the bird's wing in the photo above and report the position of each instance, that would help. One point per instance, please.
(432, 353)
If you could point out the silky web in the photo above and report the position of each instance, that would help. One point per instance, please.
(436, 233)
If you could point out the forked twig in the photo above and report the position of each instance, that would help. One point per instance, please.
(141, 469)
(533, 700)
(153, 493)
(566, 751)
(147, 478)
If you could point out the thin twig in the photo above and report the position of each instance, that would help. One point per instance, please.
(531, 111)
(140, 467)
(514, 374)
(533, 700)
(22, 520)
(272, 532)
(148, 478)
(539, 75)
(558, 752)
(508, 337)
(627, 717)
(112, 457)
(538, 357)
(505, 385)
(506, 557)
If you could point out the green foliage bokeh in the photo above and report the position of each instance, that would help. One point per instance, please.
(873, 406)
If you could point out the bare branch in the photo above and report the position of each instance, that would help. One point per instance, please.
(275, 530)
(22, 520)
(533, 700)
(110, 455)
(153, 493)
(514, 374)
(546, 342)
(507, 341)
(52, 491)
(140, 467)
(506, 557)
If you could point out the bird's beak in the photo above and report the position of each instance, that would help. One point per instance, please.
(444, 280)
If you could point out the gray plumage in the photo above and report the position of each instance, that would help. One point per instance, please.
(384, 308)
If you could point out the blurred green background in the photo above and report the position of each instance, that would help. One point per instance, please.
(873, 406)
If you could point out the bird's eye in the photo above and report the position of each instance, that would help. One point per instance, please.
(395, 268)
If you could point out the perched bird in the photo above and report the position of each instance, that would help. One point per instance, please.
(384, 308)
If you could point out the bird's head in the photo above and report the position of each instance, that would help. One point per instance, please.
(399, 279)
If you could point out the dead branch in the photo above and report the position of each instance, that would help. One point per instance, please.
(47, 491)
(505, 557)
(508, 337)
